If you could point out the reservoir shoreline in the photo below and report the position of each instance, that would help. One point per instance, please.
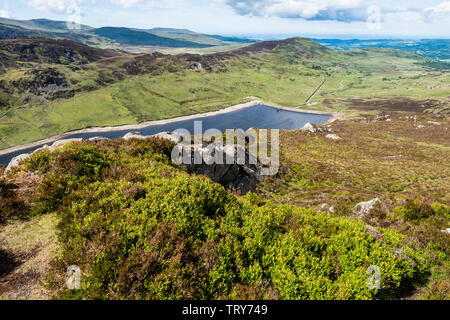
(99, 130)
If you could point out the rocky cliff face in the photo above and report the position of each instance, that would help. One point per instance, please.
(239, 178)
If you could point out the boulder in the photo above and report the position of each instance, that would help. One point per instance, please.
(133, 135)
(309, 127)
(61, 143)
(172, 136)
(378, 236)
(333, 137)
(16, 161)
(97, 138)
(364, 208)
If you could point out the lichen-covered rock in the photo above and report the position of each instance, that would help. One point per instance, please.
(16, 161)
(61, 143)
(133, 135)
(172, 136)
(309, 127)
(234, 175)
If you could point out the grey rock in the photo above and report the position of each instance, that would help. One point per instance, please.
(133, 135)
(16, 161)
(172, 136)
(61, 143)
(309, 127)
(333, 137)
(374, 233)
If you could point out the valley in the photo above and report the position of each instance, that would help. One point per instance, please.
(363, 175)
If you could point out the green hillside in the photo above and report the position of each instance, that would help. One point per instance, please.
(187, 35)
(129, 89)
(142, 38)
(134, 40)
(46, 25)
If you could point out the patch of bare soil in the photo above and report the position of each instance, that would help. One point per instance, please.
(13, 284)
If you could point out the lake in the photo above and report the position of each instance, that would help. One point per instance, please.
(260, 116)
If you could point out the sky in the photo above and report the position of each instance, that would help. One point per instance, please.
(254, 18)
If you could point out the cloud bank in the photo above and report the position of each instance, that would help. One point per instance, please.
(331, 10)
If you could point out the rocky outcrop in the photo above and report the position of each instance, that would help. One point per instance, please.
(241, 178)
(312, 128)
(309, 127)
(47, 82)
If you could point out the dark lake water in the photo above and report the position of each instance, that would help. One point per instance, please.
(262, 117)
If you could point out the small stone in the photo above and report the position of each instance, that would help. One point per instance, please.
(374, 233)
(333, 137)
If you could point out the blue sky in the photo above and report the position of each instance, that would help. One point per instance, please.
(322, 18)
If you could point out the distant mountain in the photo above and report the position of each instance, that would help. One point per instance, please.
(142, 38)
(47, 25)
(188, 35)
(431, 48)
(232, 39)
(112, 36)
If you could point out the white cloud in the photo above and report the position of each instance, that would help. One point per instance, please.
(437, 12)
(444, 7)
(126, 3)
(50, 5)
(4, 13)
(58, 6)
(340, 10)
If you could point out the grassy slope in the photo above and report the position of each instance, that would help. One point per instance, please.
(393, 160)
(322, 255)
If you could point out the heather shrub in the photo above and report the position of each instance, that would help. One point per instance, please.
(183, 237)
(141, 228)
(415, 210)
